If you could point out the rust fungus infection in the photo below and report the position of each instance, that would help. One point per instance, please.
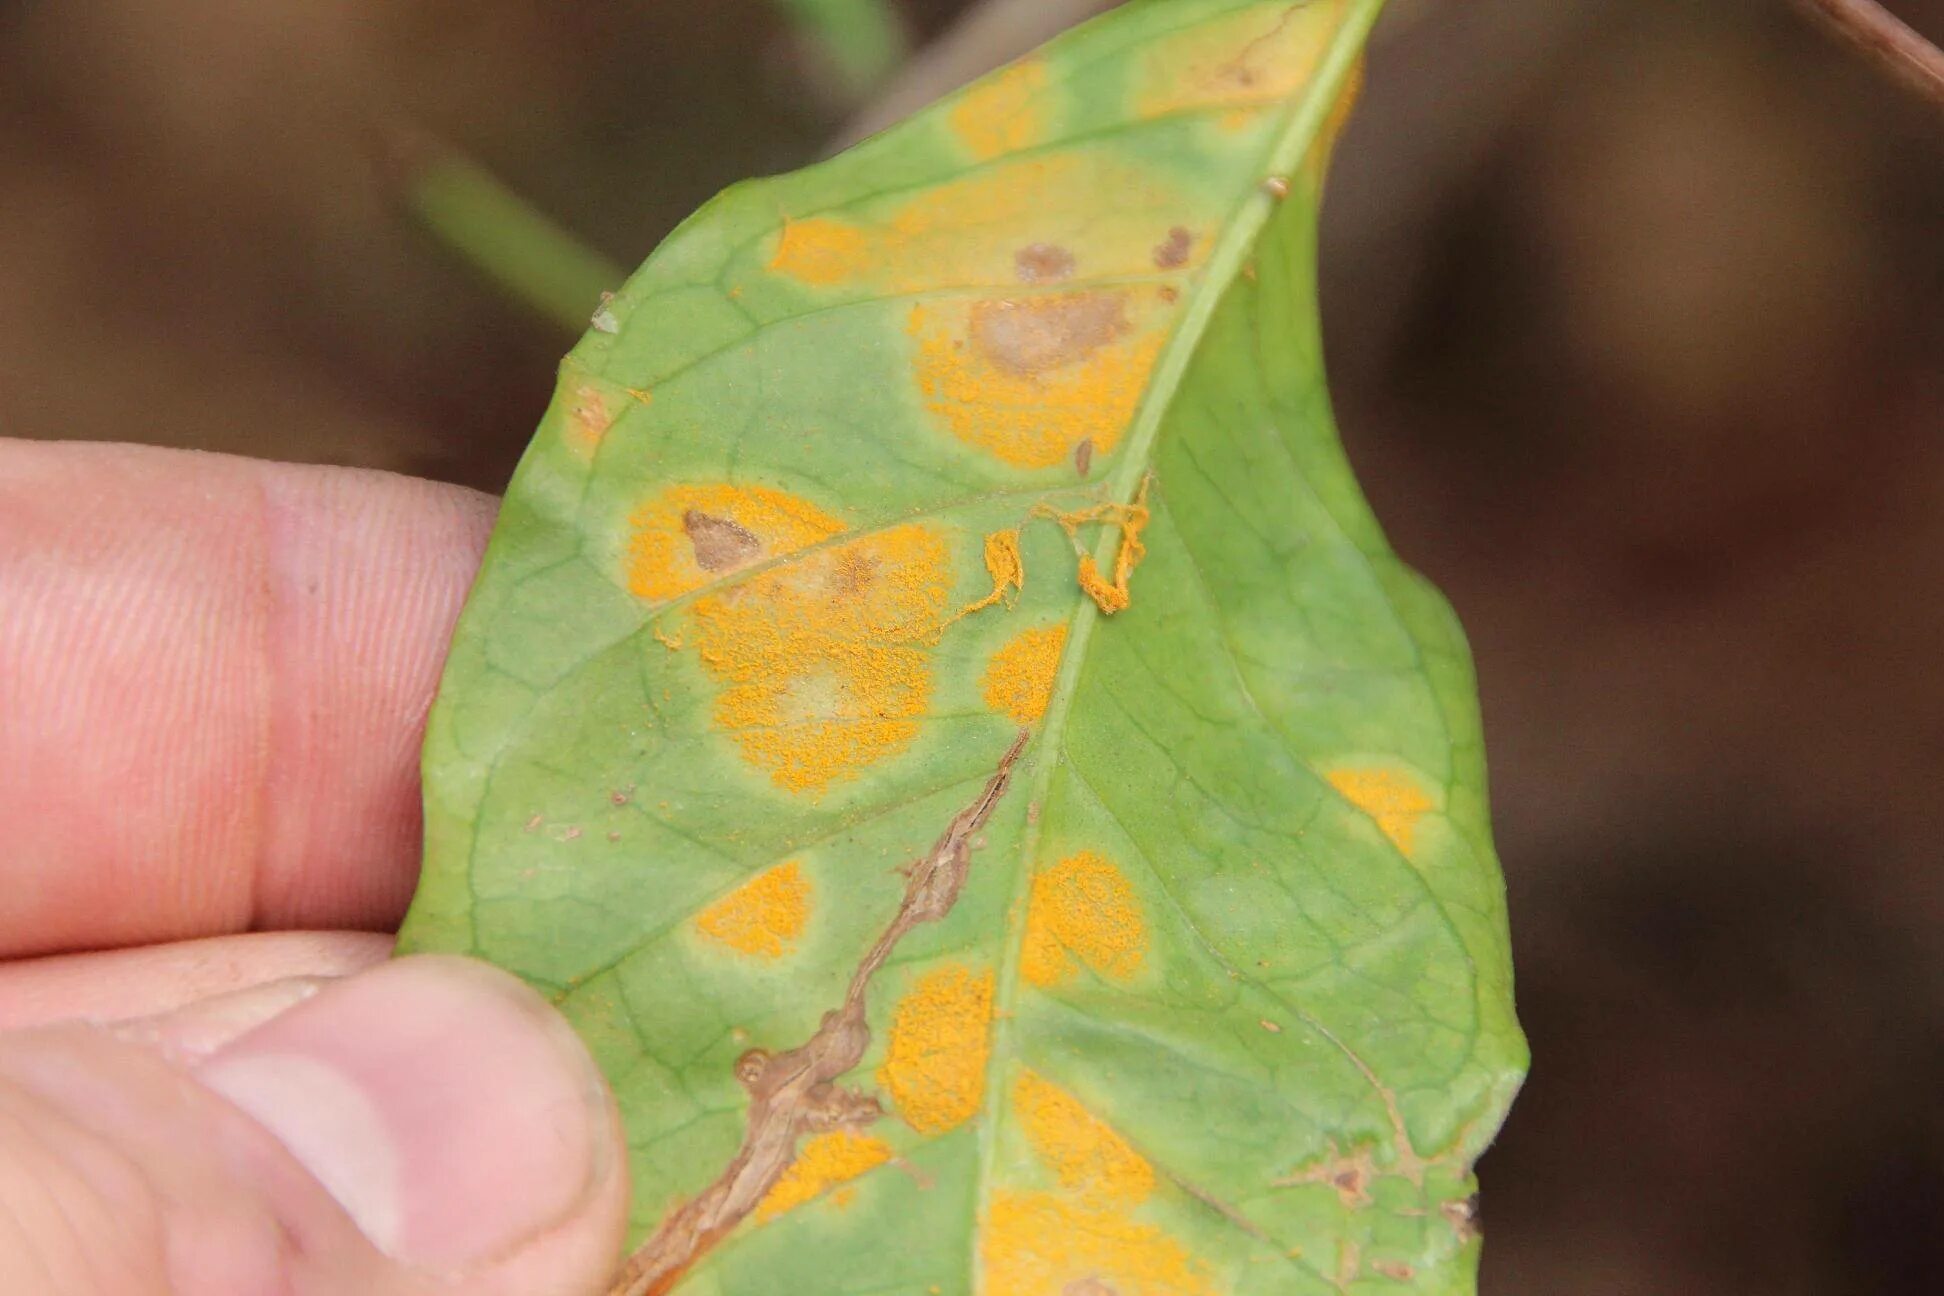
(1082, 1151)
(820, 252)
(1110, 596)
(1082, 911)
(936, 1064)
(1004, 113)
(1172, 252)
(686, 536)
(824, 1162)
(1394, 800)
(1043, 263)
(764, 916)
(1037, 1243)
(825, 662)
(1019, 679)
(1006, 567)
(588, 421)
(1028, 378)
(1028, 218)
(1262, 55)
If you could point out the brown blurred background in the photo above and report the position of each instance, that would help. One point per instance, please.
(1635, 313)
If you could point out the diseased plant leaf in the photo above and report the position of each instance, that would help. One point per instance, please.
(940, 719)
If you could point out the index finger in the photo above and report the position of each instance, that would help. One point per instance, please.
(214, 674)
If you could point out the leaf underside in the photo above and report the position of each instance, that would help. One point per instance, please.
(939, 718)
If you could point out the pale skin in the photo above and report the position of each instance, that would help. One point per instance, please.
(213, 681)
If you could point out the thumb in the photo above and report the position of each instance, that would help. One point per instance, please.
(427, 1125)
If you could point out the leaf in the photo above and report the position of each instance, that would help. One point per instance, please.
(940, 719)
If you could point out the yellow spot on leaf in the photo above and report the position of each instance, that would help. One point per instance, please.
(824, 1161)
(762, 917)
(686, 536)
(1257, 56)
(1027, 379)
(1395, 801)
(1037, 1244)
(820, 252)
(935, 1066)
(1036, 219)
(588, 421)
(1081, 1150)
(825, 661)
(1082, 908)
(1019, 678)
(1003, 113)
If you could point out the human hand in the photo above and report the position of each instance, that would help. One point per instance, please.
(213, 677)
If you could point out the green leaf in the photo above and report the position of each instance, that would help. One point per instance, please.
(1203, 989)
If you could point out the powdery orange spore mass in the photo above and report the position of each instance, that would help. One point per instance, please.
(686, 536)
(1083, 1151)
(1004, 113)
(935, 1065)
(823, 1162)
(1082, 909)
(819, 251)
(1259, 56)
(764, 916)
(1039, 1244)
(1019, 678)
(1029, 378)
(825, 662)
(1396, 802)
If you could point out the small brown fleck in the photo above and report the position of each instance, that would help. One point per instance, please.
(1276, 187)
(1271, 1027)
(1395, 1270)
(621, 796)
(1032, 812)
(1167, 293)
(719, 544)
(1083, 456)
(533, 824)
(1034, 335)
(1462, 1215)
(1043, 263)
(1172, 252)
(614, 837)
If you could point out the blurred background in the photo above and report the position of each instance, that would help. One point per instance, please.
(1635, 318)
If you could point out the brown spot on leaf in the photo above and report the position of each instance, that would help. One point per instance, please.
(1462, 1215)
(1172, 253)
(1043, 263)
(1395, 1270)
(1083, 456)
(719, 544)
(1033, 336)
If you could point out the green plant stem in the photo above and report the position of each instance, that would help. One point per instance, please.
(505, 237)
(864, 40)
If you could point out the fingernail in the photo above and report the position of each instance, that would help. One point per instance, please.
(448, 1109)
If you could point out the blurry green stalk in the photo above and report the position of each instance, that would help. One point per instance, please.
(508, 239)
(863, 39)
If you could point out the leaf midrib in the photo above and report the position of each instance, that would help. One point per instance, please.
(1225, 262)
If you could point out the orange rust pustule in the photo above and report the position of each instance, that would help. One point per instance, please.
(1027, 379)
(764, 916)
(1036, 1243)
(935, 1066)
(1110, 596)
(1394, 801)
(684, 537)
(1018, 681)
(1082, 911)
(822, 1163)
(825, 662)
(1004, 113)
(1084, 1153)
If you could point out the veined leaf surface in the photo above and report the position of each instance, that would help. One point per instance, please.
(939, 717)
